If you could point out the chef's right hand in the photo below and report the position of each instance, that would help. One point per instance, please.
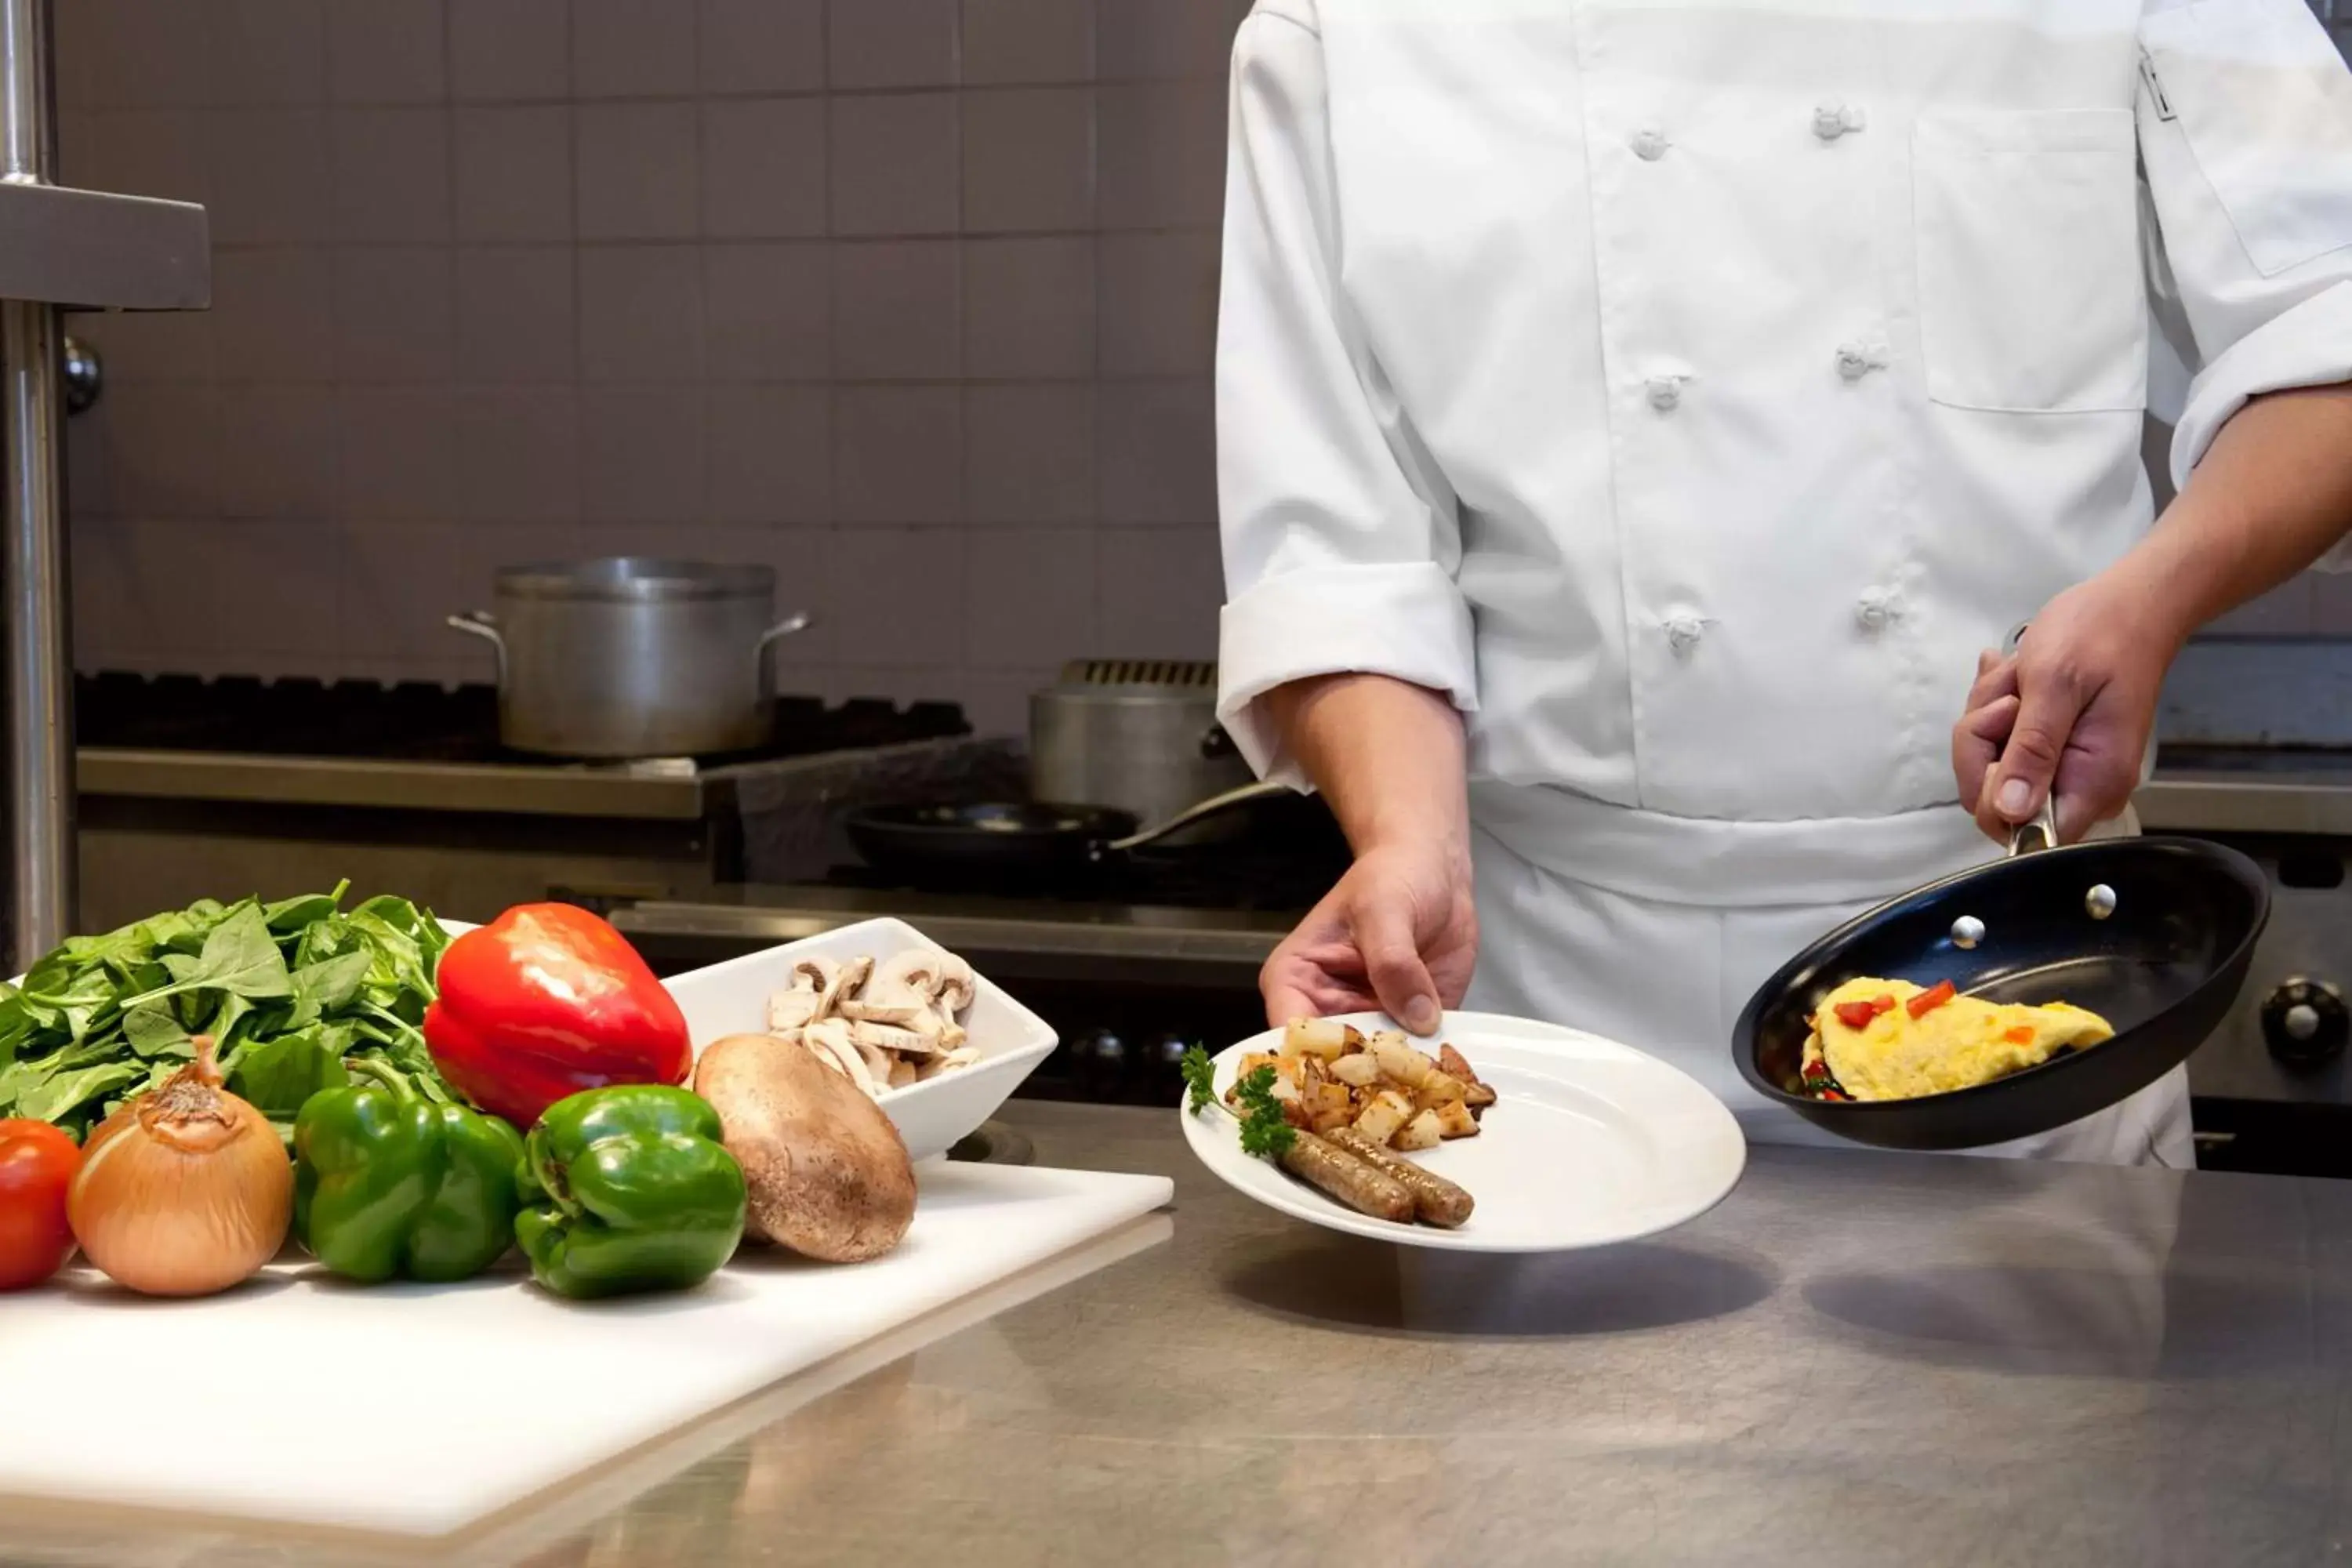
(1398, 934)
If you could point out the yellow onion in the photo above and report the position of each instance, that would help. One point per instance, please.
(184, 1191)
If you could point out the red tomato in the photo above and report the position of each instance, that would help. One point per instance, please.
(1857, 1015)
(2021, 1035)
(1927, 1002)
(37, 1161)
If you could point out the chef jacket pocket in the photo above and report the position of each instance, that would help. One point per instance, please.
(2265, 106)
(2031, 292)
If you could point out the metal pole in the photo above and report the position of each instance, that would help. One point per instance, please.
(33, 566)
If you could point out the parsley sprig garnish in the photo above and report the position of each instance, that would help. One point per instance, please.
(1265, 1132)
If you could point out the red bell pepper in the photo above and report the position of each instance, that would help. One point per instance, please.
(1927, 1001)
(545, 1001)
(1858, 1015)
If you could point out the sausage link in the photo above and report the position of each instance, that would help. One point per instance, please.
(1362, 1187)
(1435, 1200)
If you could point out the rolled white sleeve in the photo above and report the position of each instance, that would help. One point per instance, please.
(2245, 131)
(1340, 537)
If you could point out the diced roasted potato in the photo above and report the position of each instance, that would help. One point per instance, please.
(1380, 1119)
(1325, 1037)
(1328, 1105)
(1438, 1088)
(1400, 1060)
(1454, 1120)
(1450, 1059)
(1253, 1060)
(1285, 1089)
(1478, 1096)
(1360, 1070)
(1421, 1133)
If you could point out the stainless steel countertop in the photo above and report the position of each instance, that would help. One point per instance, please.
(1857, 1358)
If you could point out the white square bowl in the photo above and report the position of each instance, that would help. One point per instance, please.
(732, 998)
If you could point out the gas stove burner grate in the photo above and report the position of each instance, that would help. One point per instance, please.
(419, 721)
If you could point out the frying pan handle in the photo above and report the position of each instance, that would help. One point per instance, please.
(1213, 806)
(2046, 822)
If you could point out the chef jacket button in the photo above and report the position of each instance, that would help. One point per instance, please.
(1831, 121)
(1856, 360)
(1876, 610)
(1666, 393)
(1650, 144)
(1683, 633)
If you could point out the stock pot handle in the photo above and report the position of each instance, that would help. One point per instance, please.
(484, 625)
(798, 620)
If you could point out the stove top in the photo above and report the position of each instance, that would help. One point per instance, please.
(418, 721)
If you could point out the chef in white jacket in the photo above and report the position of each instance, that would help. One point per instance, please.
(1636, 420)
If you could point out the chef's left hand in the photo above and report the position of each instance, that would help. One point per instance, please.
(2074, 705)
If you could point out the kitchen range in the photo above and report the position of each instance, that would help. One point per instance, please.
(188, 787)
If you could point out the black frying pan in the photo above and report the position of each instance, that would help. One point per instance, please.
(2164, 968)
(985, 842)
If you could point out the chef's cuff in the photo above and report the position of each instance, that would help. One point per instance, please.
(2309, 345)
(1406, 621)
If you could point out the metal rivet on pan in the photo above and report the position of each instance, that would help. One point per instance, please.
(1966, 931)
(2101, 901)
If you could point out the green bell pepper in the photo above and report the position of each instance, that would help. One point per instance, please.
(627, 1188)
(389, 1182)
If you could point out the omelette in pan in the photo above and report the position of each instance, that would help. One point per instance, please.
(1889, 1039)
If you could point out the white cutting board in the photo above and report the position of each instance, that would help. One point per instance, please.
(420, 1409)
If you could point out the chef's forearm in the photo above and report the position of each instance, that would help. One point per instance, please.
(2271, 494)
(1388, 756)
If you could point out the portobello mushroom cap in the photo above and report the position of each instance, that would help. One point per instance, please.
(827, 1174)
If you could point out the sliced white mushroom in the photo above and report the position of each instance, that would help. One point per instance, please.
(886, 1037)
(842, 983)
(788, 1011)
(902, 1073)
(796, 1007)
(947, 1062)
(957, 985)
(829, 1038)
(903, 1009)
(917, 969)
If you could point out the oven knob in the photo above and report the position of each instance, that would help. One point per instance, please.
(2305, 1022)
(1171, 1050)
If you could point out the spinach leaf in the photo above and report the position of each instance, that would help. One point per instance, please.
(328, 985)
(240, 956)
(288, 916)
(276, 1076)
(153, 1032)
(56, 1096)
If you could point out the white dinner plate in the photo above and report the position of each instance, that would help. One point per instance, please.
(1588, 1142)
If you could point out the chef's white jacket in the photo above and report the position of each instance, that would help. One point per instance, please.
(1692, 392)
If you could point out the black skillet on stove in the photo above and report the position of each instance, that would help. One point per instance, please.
(2153, 934)
(1007, 843)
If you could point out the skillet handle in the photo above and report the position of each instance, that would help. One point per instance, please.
(1213, 806)
(2045, 824)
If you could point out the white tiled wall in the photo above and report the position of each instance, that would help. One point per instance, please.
(912, 298)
